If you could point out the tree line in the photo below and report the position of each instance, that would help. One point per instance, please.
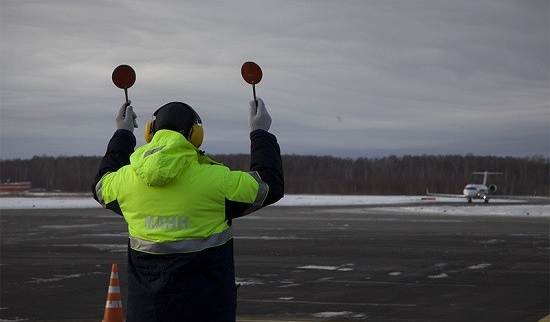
(408, 175)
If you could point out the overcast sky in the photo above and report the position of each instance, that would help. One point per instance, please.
(346, 78)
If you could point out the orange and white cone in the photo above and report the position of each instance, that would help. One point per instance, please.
(113, 306)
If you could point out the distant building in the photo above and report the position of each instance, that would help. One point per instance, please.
(15, 187)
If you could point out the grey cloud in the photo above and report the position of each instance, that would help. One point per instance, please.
(401, 76)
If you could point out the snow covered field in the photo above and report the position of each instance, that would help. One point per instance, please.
(47, 202)
(474, 210)
(343, 200)
(424, 206)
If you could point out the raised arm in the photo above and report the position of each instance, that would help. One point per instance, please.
(265, 165)
(118, 153)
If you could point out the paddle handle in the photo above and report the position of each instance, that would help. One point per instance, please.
(254, 92)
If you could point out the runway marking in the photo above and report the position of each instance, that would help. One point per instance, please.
(330, 303)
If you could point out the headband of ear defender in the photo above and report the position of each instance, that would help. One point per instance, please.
(179, 117)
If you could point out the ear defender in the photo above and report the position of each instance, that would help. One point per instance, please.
(196, 135)
(149, 131)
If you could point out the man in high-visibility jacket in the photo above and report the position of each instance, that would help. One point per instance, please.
(179, 206)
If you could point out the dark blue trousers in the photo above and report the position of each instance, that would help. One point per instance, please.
(191, 287)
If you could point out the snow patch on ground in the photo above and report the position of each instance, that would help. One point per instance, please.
(343, 314)
(342, 268)
(112, 248)
(328, 315)
(479, 266)
(289, 285)
(491, 241)
(56, 278)
(437, 276)
(248, 281)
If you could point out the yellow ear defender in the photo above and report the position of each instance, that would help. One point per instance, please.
(148, 131)
(195, 136)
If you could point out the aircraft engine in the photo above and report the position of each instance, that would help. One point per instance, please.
(493, 188)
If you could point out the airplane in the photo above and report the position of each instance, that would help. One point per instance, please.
(474, 190)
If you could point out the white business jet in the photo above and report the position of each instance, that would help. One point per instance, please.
(474, 190)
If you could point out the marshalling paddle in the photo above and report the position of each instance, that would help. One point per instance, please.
(252, 74)
(124, 77)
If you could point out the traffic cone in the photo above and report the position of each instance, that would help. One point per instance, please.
(113, 306)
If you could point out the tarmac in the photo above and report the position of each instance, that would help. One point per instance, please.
(299, 264)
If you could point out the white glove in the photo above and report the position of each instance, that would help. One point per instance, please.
(126, 118)
(259, 117)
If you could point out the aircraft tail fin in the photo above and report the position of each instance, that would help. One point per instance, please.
(485, 174)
